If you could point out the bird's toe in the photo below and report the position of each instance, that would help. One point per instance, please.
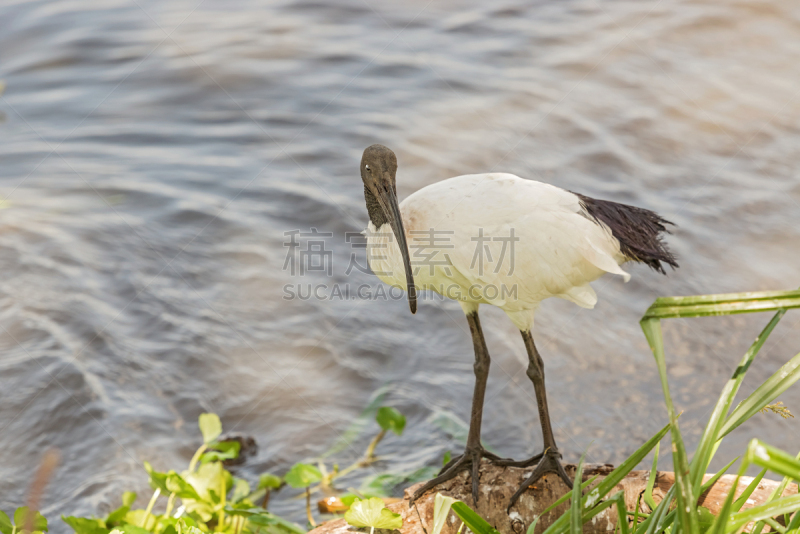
(549, 462)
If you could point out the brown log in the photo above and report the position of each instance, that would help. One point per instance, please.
(498, 484)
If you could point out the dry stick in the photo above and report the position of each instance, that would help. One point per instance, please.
(266, 500)
(43, 474)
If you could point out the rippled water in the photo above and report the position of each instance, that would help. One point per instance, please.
(153, 154)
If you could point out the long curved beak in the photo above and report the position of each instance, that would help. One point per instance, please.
(388, 201)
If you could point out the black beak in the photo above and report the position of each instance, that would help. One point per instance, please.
(388, 201)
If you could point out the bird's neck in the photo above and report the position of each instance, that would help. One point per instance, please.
(376, 215)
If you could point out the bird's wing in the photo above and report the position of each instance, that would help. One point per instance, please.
(522, 239)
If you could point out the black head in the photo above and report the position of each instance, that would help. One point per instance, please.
(378, 169)
(378, 166)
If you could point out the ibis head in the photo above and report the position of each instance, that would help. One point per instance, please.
(378, 168)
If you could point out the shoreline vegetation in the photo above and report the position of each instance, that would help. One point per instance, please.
(206, 497)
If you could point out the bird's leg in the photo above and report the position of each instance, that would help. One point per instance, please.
(471, 459)
(549, 461)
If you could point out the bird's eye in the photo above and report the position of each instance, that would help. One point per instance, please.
(367, 168)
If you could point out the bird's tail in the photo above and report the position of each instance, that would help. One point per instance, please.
(639, 231)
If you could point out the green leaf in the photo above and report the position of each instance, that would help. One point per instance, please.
(208, 482)
(5, 523)
(187, 525)
(349, 498)
(302, 475)
(269, 481)
(372, 513)
(210, 427)
(179, 486)
(447, 457)
(706, 518)
(133, 529)
(441, 507)
(157, 480)
(116, 517)
(390, 419)
(474, 522)
(85, 525)
(220, 451)
(128, 498)
(139, 517)
(21, 519)
(241, 489)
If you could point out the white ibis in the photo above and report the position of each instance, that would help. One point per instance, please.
(502, 240)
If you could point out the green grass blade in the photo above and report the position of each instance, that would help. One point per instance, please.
(778, 461)
(763, 395)
(575, 524)
(561, 500)
(686, 491)
(474, 522)
(711, 434)
(780, 506)
(635, 513)
(654, 523)
(622, 511)
(775, 525)
(726, 297)
(728, 304)
(720, 523)
(618, 500)
(772, 458)
(609, 482)
(616, 476)
(739, 502)
(776, 493)
(794, 524)
(651, 480)
(711, 481)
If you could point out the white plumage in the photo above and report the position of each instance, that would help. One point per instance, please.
(559, 252)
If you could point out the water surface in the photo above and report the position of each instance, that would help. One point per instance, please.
(153, 155)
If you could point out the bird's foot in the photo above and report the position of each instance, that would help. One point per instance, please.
(533, 460)
(470, 460)
(547, 462)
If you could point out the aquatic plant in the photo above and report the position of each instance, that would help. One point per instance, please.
(679, 511)
(206, 497)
